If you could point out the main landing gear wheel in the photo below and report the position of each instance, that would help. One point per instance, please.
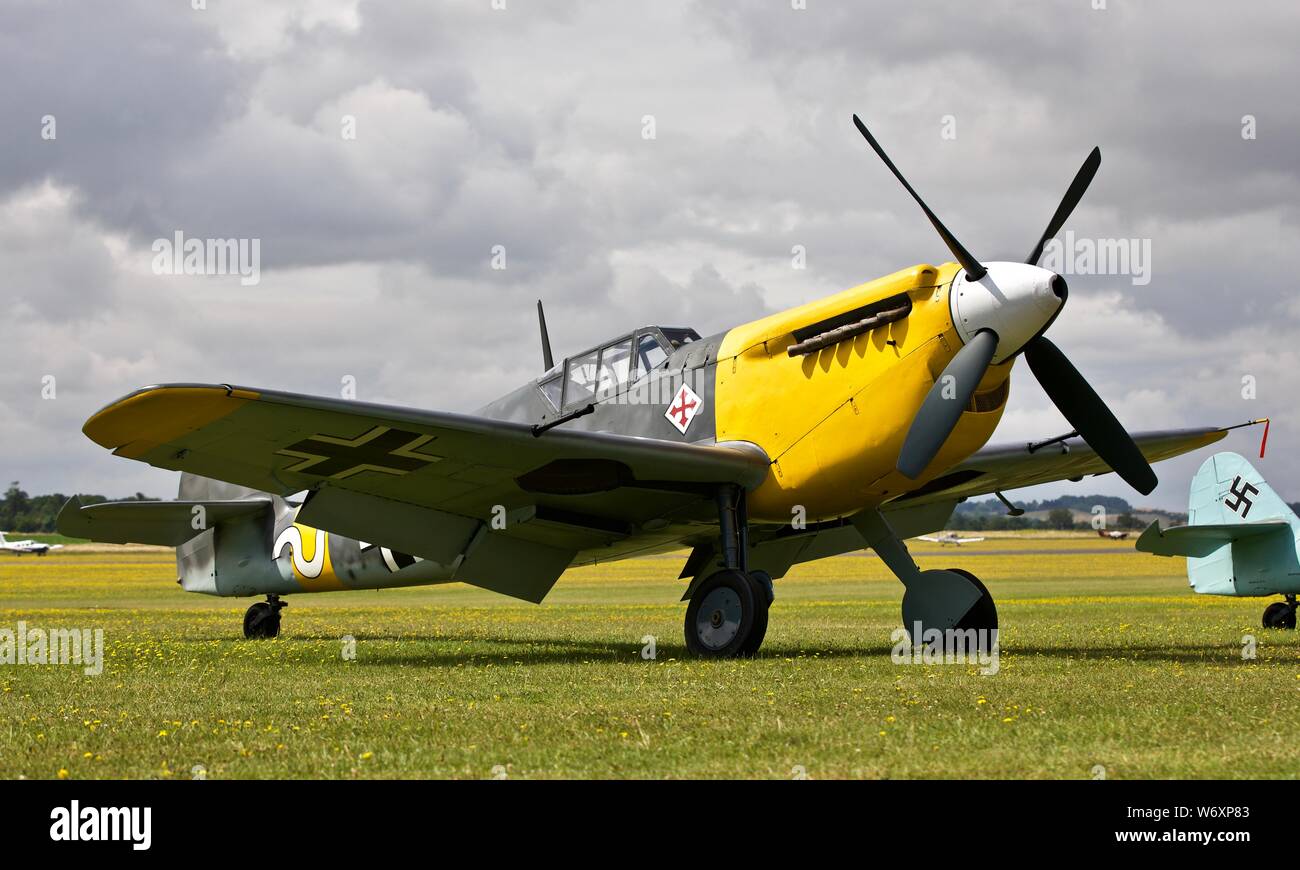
(262, 620)
(952, 599)
(1281, 614)
(727, 616)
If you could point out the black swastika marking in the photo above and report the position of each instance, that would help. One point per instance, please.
(1241, 496)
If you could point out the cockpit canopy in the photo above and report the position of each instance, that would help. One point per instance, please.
(608, 368)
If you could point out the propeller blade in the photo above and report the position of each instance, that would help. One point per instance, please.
(1082, 179)
(974, 271)
(946, 401)
(1088, 414)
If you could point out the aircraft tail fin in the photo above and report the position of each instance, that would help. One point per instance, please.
(1227, 490)
(1240, 535)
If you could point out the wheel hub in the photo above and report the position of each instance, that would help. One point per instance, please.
(719, 619)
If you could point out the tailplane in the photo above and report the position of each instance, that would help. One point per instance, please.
(164, 523)
(222, 533)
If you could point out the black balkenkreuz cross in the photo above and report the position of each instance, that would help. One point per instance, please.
(384, 450)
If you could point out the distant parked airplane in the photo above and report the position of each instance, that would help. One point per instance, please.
(18, 548)
(1114, 536)
(949, 538)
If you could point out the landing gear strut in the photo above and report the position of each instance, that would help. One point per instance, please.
(262, 620)
(1281, 614)
(727, 616)
(949, 601)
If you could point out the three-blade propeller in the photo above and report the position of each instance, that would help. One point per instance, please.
(1069, 391)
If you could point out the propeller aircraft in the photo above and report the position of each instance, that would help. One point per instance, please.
(947, 538)
(852, 421)
(19, 548)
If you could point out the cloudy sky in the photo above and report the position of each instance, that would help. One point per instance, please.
(381, 150)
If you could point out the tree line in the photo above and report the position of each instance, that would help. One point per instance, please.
(991, 515)
(20, 512)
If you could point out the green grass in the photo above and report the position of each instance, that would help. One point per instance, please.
(1108, 659)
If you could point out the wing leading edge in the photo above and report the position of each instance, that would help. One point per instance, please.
(1011, 466)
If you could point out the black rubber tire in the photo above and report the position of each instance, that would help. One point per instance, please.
(261, 622)
(983, 616)
(725, 593)
(1279, 614)
(985, 613)
(763, 597)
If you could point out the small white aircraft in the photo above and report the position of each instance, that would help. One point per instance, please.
(18, 548)
(946, 538)
(1114, 536)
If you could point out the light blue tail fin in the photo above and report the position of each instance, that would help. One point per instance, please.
(1228, 490)
(1241, 536)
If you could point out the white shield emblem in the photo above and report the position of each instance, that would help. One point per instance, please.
(683, 408)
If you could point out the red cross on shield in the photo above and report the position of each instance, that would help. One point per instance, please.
(683, 408)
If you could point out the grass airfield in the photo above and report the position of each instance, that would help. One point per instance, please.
(1110, 666)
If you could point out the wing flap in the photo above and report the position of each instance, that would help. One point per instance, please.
(495, 559)
(430, 534)
(513, 566)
